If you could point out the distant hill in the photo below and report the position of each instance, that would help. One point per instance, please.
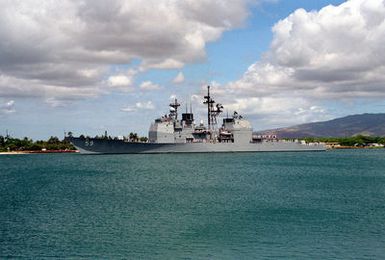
(364, 124)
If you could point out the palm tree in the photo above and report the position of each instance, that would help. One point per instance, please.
(131, 137)
(136, 138)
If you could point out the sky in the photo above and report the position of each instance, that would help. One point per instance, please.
(92, 66)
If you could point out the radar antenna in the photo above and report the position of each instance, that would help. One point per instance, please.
(174, 111)
(213, 110)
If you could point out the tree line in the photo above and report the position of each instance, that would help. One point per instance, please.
(359, 140)
(8, 143)
(132, 137)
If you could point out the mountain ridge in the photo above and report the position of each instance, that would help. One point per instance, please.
(369, 124)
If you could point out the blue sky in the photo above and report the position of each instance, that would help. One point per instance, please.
(114, 65)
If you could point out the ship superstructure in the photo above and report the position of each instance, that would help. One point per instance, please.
(170, 129)
(171, 134)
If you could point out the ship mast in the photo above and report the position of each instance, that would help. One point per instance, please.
(208, 101)
(174, 112)
(212, 111)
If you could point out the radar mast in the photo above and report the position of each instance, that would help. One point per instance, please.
(174, 110)
(213, 110)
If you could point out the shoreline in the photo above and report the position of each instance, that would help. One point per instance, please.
(352, 148)
(77, 151)
(38, 152)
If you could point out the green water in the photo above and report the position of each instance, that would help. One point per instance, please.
(323, 205)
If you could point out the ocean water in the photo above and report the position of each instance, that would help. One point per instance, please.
(304, 205)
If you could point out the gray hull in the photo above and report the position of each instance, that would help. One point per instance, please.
(101, 146)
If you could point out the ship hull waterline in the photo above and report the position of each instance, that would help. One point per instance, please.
(105, 146)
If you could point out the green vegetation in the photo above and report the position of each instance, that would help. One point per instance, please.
(133, 137)
(358, 140)
(14, 144)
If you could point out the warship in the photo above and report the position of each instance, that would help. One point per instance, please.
(169, 134)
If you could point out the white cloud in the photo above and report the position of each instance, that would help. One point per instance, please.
(166, 64)
(148, 85)
(7, 107)
(54, 102)
(120, 81)
(128, 109)
(196, 98)
(335, 53)
(139, 106)
(89, 73)
(179, 78)
(145, 105)
(16, 87)
(71, 44)
(279, 110)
